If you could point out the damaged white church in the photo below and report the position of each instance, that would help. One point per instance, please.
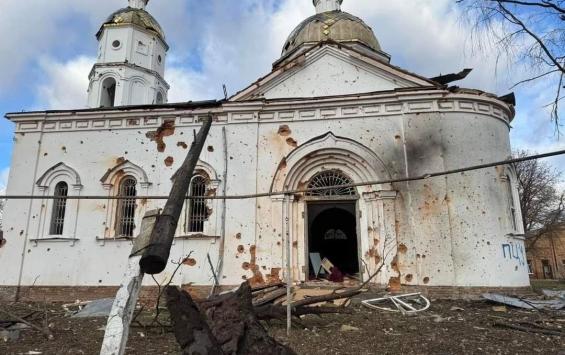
(332, 111)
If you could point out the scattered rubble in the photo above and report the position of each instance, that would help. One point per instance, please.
(534, 304)
(94, 309)
(469, 332)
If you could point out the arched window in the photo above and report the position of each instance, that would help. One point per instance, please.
(125, 220)
(59, 207)
(108, 95)
(197, 211)
(159, 99)
(331, 178)
(511, 202)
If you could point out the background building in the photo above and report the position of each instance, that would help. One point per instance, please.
(546, 254)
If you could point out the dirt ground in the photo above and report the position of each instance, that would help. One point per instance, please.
(448, 327)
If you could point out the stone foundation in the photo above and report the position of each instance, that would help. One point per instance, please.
(66, 294)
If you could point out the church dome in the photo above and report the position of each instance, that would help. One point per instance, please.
(335, 25)
(134, 16)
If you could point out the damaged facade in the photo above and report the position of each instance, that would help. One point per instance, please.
(333, 111)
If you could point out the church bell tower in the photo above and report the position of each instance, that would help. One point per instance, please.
(130, 67)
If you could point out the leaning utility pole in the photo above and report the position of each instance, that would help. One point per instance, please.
(151, 249)
(155, 257)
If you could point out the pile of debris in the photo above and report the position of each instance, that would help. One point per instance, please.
(551, 303)
(230, 322)
(10, 329)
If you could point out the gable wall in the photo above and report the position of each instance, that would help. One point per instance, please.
(330, 75)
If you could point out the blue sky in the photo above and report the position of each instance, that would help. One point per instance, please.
(47, 56)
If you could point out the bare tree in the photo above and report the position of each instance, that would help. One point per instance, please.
(530, 33)
(541, 201)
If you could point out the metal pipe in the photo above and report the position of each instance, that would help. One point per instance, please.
(286, 211)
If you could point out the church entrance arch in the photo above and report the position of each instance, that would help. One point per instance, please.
(332, 224)
(354, 226)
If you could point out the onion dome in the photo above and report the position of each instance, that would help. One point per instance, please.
(335, 25)
(133, 16)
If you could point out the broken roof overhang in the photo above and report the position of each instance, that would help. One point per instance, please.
(180, 105)
(509, 99)
(449, 78)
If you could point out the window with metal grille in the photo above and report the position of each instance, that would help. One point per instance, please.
(59, 207)
(126, 207)
(197, 212)
(511, 202)
(331, 178)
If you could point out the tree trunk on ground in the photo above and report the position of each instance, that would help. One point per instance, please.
(228, 320)
(191, 330)
(235, 325)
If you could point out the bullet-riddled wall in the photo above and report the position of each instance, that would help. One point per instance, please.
(455, 230)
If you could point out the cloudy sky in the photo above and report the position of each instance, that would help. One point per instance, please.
(50, 49)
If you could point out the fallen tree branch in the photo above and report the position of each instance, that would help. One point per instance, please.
(45, 331)
(161, 289)
(269, 297)
(527, 329)
(268, 312)
(327, 298)
(266, 287)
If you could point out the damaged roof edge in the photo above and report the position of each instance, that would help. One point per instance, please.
(179, 105)
(507, 101)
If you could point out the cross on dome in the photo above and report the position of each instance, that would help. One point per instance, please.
(327, 5)
(138, 4)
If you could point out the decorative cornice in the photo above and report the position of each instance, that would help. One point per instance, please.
(394, 103)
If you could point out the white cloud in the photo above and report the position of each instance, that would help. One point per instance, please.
(4, 180)
(34, 28)
(65, 83)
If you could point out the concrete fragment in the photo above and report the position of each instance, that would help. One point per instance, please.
(526, 303)
(501, 309)
(95, 309)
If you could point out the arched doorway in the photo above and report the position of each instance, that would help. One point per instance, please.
(332, 223)
(372, 206)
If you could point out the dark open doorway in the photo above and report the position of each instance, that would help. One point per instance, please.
(332, 232)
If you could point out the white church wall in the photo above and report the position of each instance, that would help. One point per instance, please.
(329, 74)
(443, 227)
